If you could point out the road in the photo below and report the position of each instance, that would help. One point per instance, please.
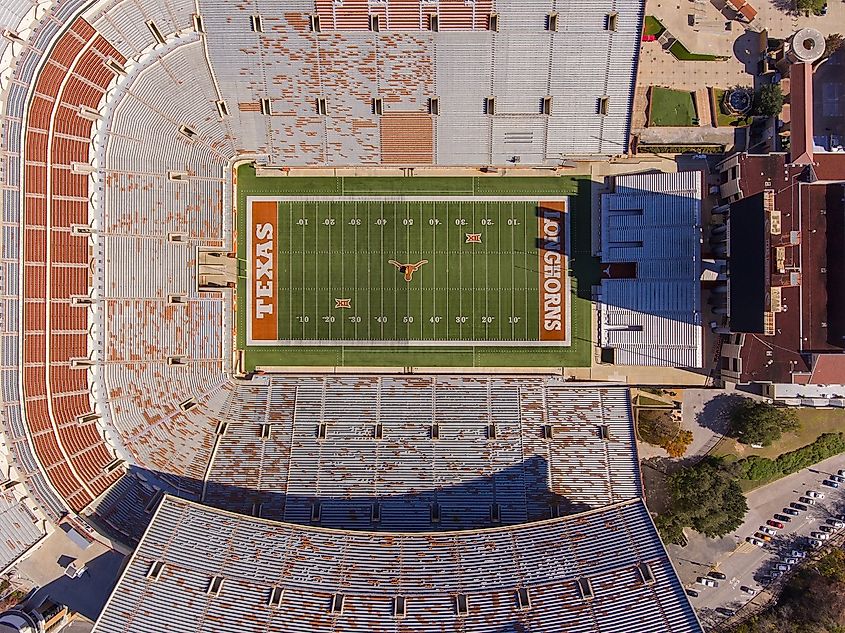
(747, 564)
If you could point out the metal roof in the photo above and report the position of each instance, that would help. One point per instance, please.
(342, 581)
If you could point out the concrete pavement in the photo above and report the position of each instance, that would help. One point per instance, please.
(745, 564)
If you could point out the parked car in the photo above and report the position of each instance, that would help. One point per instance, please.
(838, 478)
(814, 543)
(725, 611)
(822, 536)
(815, 494)
(783, 517)
(798, 506)
(830, 483)
(692, 593)
(797, 553)
(790, 561)
(807, 500)
(840, 472)
(717, 574)
(827, 528)
(791, 511)
(768, 530)
(755, 541)
(775, 574)
(763, 537)
(747, 590)
(707, 582)
(836, 523)
(782, 567)
(775, 524)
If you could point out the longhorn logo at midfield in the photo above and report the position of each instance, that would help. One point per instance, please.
(408, 269)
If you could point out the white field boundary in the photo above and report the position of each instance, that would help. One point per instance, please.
(283, 344)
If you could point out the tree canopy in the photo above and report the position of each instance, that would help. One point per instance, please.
(768, 100)
(813, 601)
(757, 422)
(705, 497)
(658, 427)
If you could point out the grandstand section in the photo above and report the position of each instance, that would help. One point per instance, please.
(198, 568)
(475, 451)
(20, 529)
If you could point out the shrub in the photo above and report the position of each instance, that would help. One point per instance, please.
(757, 468)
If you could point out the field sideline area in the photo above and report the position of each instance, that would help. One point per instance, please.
(413, 271)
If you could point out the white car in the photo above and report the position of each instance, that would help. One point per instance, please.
(707, 582)
(775, 574)
(768, 530)
(782, 567)
(815, 494)
(836, 523)
(822, 536)
(815, 543)
(790, 561)
(797, 553)
(755, 541)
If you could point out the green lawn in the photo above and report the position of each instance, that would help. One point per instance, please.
(410, 307)
(683, 54)
(813, 423)
(723, 118)
(339, 250)
(653, 26)
(670, 108)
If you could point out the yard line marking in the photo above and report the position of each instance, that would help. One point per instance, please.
(460, 279)
(487, 275)
(513, 280)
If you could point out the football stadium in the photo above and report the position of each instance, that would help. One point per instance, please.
(284, 286)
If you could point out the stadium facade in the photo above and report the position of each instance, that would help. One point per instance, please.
(120, 123)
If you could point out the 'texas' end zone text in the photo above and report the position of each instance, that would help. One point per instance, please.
(262, 228)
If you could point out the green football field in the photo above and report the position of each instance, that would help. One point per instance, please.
(341, 267)
(472, 304)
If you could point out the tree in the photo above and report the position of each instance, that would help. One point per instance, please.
(812, 601)
(705, 497)
(768, 100)
(658, 427)
(832, 43)
(756, 422)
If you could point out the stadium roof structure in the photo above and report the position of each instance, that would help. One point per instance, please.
(198, 568)
(650, 307)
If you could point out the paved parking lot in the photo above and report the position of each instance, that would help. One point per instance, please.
(745, 564)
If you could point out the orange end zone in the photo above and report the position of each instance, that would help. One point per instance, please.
(262, 230)
(553, 269)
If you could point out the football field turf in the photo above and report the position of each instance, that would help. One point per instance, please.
(472, 304)
(388, 270)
